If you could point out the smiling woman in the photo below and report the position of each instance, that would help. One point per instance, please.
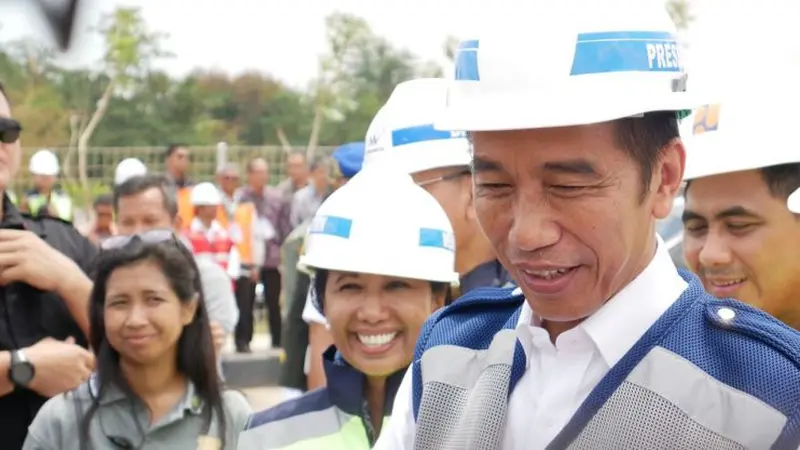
(379, 273)
(156, 382)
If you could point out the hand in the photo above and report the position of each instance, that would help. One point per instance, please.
(26, 258)
(218, 335)
(60, 366)
(255, 274)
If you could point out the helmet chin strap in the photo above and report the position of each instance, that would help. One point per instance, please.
(60, 16)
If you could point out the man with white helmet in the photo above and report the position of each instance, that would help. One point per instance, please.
(45, 198)
(209, 238)
(740, 235)
(605, 345)
(127, 169)
(439, 162)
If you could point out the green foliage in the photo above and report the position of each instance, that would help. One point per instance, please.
(150, 108)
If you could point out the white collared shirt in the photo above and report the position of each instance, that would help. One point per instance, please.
(559, 377)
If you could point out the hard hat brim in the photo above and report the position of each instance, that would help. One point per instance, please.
(354, 264)
(549, 111)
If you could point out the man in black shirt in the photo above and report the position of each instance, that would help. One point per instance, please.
(44, 295)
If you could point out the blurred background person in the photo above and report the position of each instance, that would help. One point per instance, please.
(102, 225)
(272, 229)
(296, 175)
(306, 200)
(45, 198)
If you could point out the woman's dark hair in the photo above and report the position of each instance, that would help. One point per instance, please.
(196, 356)
(321, 279)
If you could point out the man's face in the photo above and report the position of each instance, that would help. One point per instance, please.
(44, 182)
(743, 242)
(452, 188)
(206, 212)
(178, 161)
(321, 176)
(297, 169)
(9, 152)
(258, 176)
(142, 212)
(104, 215)
(229, 181)
(563, 210)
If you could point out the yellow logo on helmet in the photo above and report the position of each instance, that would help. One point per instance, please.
(706, 118)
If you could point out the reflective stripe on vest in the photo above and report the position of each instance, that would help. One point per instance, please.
(219, 249)
(664, 397)
(328, 429)
(60, 202)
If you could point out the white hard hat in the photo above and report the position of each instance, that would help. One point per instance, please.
(127, 169)
(745, 131)
(382, 223)
(564, 63)
(44, 162)
(205, 194)
(403, 129)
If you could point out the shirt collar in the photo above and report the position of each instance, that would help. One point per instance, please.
(619, 324)
(191, 401)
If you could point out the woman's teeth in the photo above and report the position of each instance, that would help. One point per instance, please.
(376, 340)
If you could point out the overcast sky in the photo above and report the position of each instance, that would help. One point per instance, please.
(285, 37)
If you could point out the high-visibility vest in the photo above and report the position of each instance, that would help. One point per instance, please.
(185, 207)
(218, 247)
(241, 230)
(60, 202)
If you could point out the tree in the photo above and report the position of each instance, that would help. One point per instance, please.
(130, 50)
(680, 12)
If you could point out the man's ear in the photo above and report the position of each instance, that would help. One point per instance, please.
(667, 177)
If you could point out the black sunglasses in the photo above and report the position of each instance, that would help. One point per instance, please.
(157, 236)
(10, 130)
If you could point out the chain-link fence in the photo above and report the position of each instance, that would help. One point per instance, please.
(101, 162)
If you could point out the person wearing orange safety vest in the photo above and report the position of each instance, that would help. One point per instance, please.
(240, 219)
(208, 237)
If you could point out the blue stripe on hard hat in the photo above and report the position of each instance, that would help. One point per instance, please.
(431, 237)
(625, 51)
(331, 226)
(467, 61)
(421, 133)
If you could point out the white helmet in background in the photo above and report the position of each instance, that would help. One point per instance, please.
(382, 223)
(205, 194)
(44, 162)
(745, 131)
(127, 169)
(403, 130)
(563, 63)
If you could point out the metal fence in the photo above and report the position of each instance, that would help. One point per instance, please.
(101, 163)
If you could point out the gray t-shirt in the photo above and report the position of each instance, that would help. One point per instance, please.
(120, 421)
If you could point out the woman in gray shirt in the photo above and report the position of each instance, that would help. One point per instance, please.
(156, 383)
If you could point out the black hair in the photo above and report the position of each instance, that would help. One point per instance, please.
(103, 200)
(644, 138)
(196, 355)
(141, 183)
(781, 180)
(320, 279)
(172, 148)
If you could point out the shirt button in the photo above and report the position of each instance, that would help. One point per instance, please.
(726, 314)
